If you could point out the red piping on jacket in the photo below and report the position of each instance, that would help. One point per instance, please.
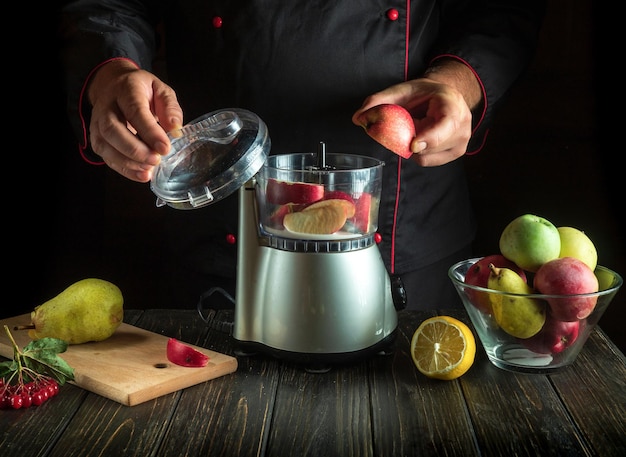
(406, 76)
(82, 147)
(392, 262)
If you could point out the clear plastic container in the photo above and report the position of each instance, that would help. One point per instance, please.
(293, 192)
(211, 157)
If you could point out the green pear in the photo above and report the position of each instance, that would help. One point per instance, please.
(517, 315)
(88, 310)
(530, 241)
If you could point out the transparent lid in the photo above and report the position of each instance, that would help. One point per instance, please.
(211, 157)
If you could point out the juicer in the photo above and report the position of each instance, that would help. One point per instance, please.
(311, 285)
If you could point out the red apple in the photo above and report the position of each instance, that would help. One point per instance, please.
(277, 216)
(185, 355)
(554, 337)
(280, 192)
(348, 206)
(390, 125)
(478, 275)
(362, 213)
(332, 194)
(567, 276)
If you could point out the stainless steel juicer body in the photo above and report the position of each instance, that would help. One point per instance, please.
(318, 298)
(320, 301)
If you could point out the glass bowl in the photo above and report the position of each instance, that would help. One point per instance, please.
(555, 346)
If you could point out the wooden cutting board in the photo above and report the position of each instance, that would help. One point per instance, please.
(129, 367)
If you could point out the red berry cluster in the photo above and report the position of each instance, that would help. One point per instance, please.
(23, 395)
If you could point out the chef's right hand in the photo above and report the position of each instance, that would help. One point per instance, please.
(132, 111)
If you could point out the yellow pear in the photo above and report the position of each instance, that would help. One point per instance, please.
(575, 243)
(88, 310)
(519, 316)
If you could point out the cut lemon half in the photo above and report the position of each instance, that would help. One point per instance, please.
(443, 347)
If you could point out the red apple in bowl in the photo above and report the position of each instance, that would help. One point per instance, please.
(390, 125)
(567, 276)
(478, 275)
(555, 336)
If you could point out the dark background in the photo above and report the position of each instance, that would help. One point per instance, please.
(549, 153)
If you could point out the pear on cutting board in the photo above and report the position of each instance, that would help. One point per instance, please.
(88, 310)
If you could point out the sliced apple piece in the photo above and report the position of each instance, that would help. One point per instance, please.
(362, 214)
(277, 216)
(338, 194)
(319, 219)
(280, 192)
(347, 206)
(184, 355)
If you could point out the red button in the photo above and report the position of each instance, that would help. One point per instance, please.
(217, 22)
(231, 239)
(393, 14)
(378, 237)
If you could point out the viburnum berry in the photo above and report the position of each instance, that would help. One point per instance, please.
(27, 399)
(16, 401)
(38, 398)
(34, 375)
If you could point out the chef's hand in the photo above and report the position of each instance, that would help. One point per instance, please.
(441, 104)
(132, 110)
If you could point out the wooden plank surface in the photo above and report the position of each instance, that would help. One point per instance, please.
(379, 406)
(230, 416)
(594, 392)
(412, 414)
(129, 367)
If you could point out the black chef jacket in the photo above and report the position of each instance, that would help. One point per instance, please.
(304, 68)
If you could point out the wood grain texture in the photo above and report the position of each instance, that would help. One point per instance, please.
(380, 406)
(129, 367)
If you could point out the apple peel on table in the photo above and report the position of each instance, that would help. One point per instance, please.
(390, 125)
(280, 192)
(320, 218)
(184, 355)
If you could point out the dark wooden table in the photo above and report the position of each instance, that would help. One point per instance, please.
(381, 406)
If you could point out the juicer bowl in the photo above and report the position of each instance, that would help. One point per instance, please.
(300, 196)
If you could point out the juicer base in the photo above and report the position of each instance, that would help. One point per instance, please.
(317, 362)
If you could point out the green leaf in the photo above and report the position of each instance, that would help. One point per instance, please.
(54, 345)
(7, 367)
(40, 356)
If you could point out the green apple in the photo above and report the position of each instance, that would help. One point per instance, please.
(530, 241)
(575, 243)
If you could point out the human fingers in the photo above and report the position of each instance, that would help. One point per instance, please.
(150, 107)
(120, 148)
(125, 129)
(443, 134)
